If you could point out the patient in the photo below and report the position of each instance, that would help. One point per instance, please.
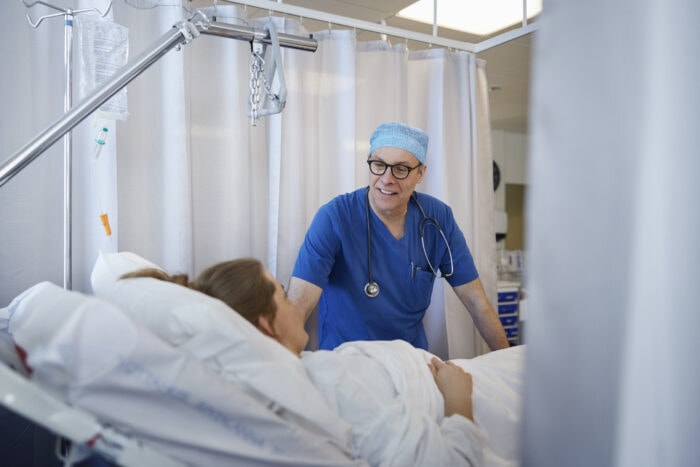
(249, 289)
(389, 417)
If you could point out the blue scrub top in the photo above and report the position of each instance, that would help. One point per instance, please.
(334, 257)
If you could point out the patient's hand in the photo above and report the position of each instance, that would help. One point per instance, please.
(455, 384)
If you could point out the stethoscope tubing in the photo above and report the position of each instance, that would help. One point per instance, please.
(421, 232)
(371, 287)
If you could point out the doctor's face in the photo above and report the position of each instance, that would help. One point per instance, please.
(389, 194)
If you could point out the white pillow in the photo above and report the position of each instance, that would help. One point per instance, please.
(217, 335)
(88, 353)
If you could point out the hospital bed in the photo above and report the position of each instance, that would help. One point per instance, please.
(146, 372)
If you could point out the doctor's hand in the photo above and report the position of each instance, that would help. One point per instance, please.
(455, 384)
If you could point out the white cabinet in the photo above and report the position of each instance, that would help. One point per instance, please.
(508, 309)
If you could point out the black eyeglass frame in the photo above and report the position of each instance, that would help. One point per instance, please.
(391, 166)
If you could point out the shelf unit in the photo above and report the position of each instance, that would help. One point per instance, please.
(508, 309)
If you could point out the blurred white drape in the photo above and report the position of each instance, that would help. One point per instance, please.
(612, 375)
(31, 204)
(32, 92)
(198, 184)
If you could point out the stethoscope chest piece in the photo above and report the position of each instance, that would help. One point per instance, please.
(371, 289)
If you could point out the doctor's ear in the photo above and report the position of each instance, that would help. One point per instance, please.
(421, 173)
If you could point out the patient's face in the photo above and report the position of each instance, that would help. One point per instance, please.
(289, 323)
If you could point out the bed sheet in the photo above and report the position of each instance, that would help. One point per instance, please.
(90, 354)
(224, 341)
(497, 399)
(188, 337)
(206, 328)
(384, 382)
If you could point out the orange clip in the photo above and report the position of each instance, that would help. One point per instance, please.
(105, 223)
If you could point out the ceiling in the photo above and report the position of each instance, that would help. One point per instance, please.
(507, 64)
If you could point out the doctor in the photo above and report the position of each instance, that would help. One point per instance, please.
(370, 257)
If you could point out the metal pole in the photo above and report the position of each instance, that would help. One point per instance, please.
(248, 34)
(178, 35)
(93, 101)
(68, 157)
(329, 18)
(68, 18)
(435, 28)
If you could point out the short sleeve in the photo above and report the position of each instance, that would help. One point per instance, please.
(318, 251)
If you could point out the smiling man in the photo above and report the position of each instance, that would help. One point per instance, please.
(370, 257)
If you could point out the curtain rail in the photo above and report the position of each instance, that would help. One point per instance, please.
(243, 33)
(383, 29)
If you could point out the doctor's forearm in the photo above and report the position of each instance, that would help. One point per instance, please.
(483, 314)
(492, 331)
(304, 295)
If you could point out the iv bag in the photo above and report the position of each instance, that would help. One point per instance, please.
(103, 48)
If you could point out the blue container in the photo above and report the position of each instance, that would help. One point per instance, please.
(507, 309)
(509, 320)
(507, 296)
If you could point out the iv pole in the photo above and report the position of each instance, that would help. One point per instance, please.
(181, 33)
(68, 16)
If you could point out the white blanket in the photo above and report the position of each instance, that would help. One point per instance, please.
(384, 389)
(387, 393)
(497, 399)
(92, 355)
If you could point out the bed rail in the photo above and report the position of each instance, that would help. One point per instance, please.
(25, 398)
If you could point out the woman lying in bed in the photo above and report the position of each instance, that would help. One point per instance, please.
(405, 406)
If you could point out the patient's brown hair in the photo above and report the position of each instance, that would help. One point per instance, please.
(239, 283)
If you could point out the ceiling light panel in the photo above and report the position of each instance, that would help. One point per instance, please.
(480, 17)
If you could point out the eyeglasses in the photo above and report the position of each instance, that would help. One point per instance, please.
(399, 171)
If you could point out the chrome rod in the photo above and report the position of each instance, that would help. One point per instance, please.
(245, 33)
(68, 157)
(89, 104)
(355, 23)
(181, 33)
(68, 19)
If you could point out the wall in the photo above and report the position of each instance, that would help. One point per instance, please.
(510, 153)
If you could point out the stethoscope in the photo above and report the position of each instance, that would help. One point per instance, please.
(371, 287)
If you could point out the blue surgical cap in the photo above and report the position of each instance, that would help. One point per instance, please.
(402, 136)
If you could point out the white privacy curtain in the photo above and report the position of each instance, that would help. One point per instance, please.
(613, 235)
(198, 184)
(31, 204)
(32, 93)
